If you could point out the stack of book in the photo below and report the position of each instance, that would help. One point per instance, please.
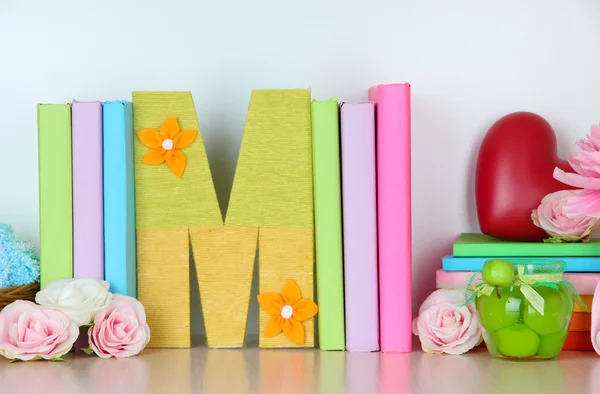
(471, 251)
(86, 191)
(362, 202)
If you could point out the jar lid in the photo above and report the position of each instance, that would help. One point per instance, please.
(540, 266)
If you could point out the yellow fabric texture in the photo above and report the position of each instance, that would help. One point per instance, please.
(166, 206)
(273, 190)
(272, 199)
(273, 180)
(163, 260)
(224, 258)
(284, 254)
(164, 200)
(288, 310)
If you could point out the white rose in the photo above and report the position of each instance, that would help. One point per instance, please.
(79, 299)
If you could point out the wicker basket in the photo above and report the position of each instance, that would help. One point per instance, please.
(26, 292)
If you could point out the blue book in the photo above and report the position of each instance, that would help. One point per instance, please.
(119, 198)
(574, 264)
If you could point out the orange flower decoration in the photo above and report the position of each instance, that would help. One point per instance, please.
(288, 310)
(165, 145)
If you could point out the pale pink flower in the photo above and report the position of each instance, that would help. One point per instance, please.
(587, 167)
(120, 328)
(586, 164)
(592, 141)
(29, 332)
(550, 217)
(445, 326)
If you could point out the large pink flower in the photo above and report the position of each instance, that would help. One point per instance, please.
(29, 332)
(591, 142)
(586, 164)
(550, 217)
(120, 328)
(444, 326)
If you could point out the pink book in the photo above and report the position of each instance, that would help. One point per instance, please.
(392, 106)
(88, 209)
(359, 208)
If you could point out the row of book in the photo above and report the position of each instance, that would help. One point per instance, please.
(86, 190)
(471, 251)
(363, 221)
(362, 211)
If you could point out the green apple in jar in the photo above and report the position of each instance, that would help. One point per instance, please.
(500, 309)
(497, 272)
(558, 308)
(517, 340)
(552, 344)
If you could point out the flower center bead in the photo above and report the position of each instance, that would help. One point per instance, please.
(286, 312)
(167, 144)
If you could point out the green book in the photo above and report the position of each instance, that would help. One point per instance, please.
(328, 224)
(481, 245)
(55, 192)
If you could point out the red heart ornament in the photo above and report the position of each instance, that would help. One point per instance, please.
(514, 172)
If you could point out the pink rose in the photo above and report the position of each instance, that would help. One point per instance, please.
(550, 217)
(120, 328)
(444, 326)
(29, 332)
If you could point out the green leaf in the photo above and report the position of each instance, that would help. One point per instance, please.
(554, 240)
(15, 360)
(57, 359)
(87, 350)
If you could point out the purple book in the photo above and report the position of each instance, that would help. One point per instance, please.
(360, 226)
(88, 211)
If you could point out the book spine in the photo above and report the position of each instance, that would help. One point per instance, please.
(119, 198)
(328, 224)
(55, 192)
(394, 215)
(527, 249)
(579, 341)
(88, 211)
(595, 326)
(360, 226)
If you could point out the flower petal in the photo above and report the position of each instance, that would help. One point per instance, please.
(294, 330)
(576, 180)
(274, 326)
(586, 203)
(184, 139)
(176, 162)
(270, 303)
(291, 292)
(150, 138)
(304, 310)
(170, 128)
(585, 163)
(155, 156)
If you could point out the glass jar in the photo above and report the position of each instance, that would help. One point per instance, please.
(513, 327)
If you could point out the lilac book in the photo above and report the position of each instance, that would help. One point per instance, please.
(360, 226)
(88, 206)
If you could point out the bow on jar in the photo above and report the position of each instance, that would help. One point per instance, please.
(525, 283)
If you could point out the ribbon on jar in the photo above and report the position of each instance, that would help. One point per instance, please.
(525, 283)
